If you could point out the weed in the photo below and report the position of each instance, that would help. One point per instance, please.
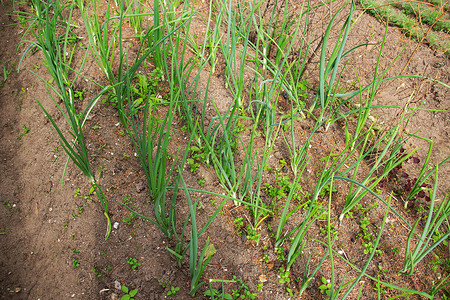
(284, 276)
(173, 290)
(333, 230)
(325, 287)
(436, 237)
(77, 213)
(265, 258)
(238, 224)
(133, 263)
(382, 270)
(75, 263)
(98, 273)
(194, 165)
(369, 247)
(242, 291)
(12, 208)
(79, 95)
(395, 250)
(22, 97)
(146, 88)
(260, 286)
(129, 219)
(280, 254)
(24, 132)
(126, 200)
(252, 234)
(282, 186)
(197, 156)
(110, 99)
(129, 294)
(219, 293)
(6, 73)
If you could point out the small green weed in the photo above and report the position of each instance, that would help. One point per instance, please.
(22, 97)
(128, 294)
(126, 200)
(265, 258)
(75, 263)
(79, 95)
(12, 208)
(24, 132)
(238, 224)
(215, 293)
(147, 87)
(242, 291)
(252, 234)
(437, 235)
(368, 248)
(333, 230)
(6, 72)
(194, 165)
(128, 220)
(77, 213)
(382, 270)
(172, 289)
(133, 262)
(110, 99)
(280, 254)
(395, 250)
(201, 182)
(97, 273)
(260, 286)
(284, 276)
(325, 288)
(197, 156)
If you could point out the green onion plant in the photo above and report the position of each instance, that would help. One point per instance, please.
(52, 18)
(424, 245)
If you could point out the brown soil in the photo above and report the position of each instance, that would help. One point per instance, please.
(47, 228)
